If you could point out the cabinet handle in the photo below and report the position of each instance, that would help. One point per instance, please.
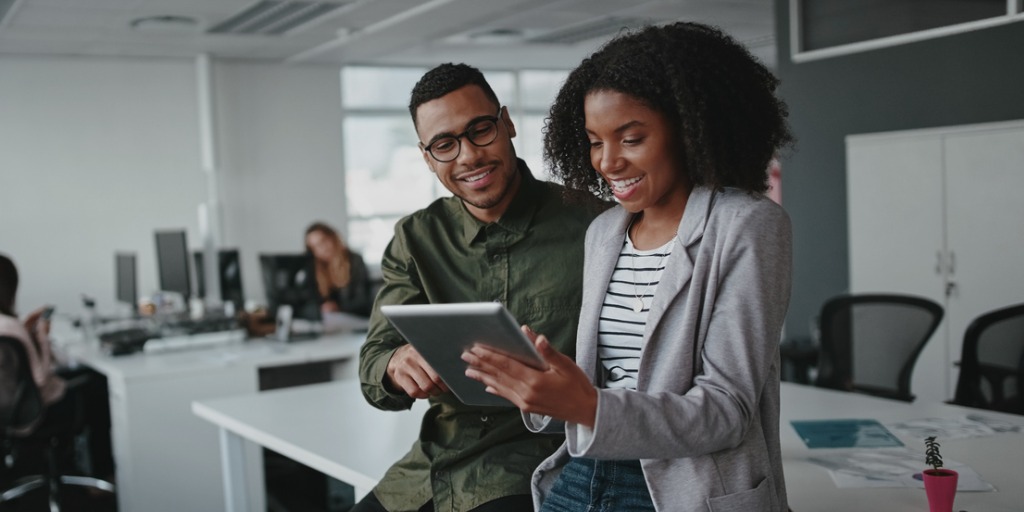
(938, 263)
(952, 263)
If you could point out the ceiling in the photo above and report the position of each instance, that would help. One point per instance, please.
(487, 33)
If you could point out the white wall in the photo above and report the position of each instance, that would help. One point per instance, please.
(280, 134)
(95, 154)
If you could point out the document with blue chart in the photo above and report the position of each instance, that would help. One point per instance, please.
(845, 433)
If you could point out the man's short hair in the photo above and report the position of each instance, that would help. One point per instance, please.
(444, 79)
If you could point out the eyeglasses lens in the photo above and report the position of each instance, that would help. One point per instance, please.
(480, 134)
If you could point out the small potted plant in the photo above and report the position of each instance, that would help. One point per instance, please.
(939, 482)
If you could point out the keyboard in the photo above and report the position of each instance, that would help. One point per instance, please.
(194, 341)
(125, 341)
(189, 326)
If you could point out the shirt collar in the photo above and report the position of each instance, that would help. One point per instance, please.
(519, 214)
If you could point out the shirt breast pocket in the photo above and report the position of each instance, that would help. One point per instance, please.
(554, 317)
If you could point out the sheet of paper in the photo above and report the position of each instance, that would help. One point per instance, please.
(941, 428)
(844, 433)
(891, 467)
(972, 425)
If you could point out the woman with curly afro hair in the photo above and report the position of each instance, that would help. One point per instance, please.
(673, 400)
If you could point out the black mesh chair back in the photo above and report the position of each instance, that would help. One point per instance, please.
(21, 406)
(992, 362)
(27, 428)
(870, 343)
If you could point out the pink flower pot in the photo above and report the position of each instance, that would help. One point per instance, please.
(940, 486)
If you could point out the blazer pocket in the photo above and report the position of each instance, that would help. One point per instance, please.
(758, 498)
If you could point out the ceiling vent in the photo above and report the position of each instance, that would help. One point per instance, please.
(274, 17)
(6, 10)
(589, 30)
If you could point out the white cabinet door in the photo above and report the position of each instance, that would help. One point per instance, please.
(936, 209)
(984, 225)
(895, 196)
(894, 189)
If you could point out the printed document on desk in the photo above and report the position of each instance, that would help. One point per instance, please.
(891, 467)
(844, 433)
(971, 425)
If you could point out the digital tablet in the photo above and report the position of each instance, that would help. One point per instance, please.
(441, 332)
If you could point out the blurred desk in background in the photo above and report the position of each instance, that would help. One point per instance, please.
(168, 459)
(328, 427)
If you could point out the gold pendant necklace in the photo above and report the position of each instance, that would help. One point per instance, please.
(638, 298)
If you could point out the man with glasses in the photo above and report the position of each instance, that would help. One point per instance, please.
(504, 236)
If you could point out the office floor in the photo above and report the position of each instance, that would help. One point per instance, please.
(29, 460)
(74, 500)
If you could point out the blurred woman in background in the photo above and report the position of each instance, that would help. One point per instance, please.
(33, 334)
(342, 281)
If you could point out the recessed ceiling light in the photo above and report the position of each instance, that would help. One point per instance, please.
(498, 36)
(165, 23)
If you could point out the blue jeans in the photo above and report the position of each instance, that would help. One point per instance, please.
(588, 485)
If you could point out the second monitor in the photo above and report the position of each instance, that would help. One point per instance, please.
(289, 279)
(229, 272)
(124, 273)
(172, 262)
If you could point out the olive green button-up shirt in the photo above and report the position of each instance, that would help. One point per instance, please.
(531, 260)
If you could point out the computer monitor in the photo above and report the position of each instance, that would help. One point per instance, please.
(124, 274)
(290, 279)
(229, 270)
(172, 262)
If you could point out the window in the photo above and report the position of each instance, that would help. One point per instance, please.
(385, 176)
(826, 28)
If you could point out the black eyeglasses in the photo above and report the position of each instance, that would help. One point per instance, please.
(481, 132)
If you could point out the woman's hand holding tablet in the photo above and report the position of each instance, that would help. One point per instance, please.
(442, 332)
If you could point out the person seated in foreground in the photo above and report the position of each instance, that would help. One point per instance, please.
(502, 236)
(673, 401)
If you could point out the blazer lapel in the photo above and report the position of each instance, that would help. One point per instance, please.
(679, 267)
(602, 255)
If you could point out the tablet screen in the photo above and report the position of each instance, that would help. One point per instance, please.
(441, 332)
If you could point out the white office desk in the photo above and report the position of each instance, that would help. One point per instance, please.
(999, 459)
(330, 428)
(167, 459)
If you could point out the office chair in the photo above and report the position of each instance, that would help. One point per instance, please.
(24, 425)
(869, 343)
(992, 362)
(21, 407)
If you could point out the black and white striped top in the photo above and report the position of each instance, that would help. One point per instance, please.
(621, 328)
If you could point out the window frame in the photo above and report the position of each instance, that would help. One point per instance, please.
(1014, 13)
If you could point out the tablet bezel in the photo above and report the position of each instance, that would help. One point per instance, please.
(442, 332)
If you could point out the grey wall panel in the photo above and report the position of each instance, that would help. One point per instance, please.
(973, 77)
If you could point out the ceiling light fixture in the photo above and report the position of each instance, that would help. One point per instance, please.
(165, 23)
(498, 36)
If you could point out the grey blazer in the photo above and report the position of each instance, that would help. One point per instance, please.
(704, 420)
